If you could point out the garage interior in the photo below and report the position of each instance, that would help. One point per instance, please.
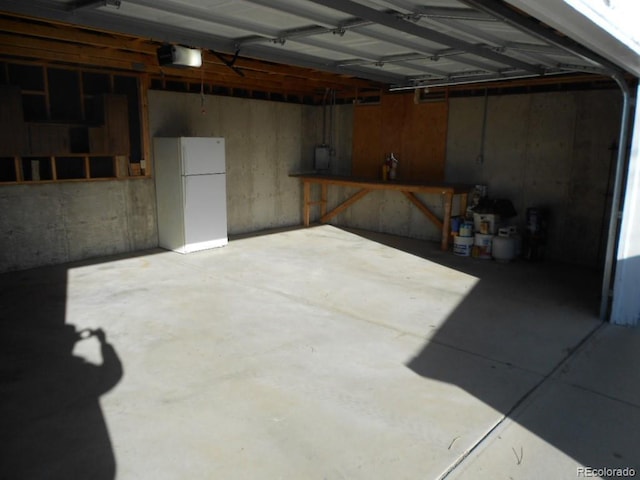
(353, 348)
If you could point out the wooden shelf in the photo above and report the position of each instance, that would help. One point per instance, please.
(34, 168)
(63, 124)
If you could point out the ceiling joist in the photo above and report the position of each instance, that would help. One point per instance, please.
(394, 22)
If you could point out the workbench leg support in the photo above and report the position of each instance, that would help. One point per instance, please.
(446, 221)
(306, 209)
(323, 200)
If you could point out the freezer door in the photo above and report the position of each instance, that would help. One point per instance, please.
(203, 155)
(205, 213)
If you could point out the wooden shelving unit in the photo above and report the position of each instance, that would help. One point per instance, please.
(43, 138)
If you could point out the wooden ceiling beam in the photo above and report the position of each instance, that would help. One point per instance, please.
(220, 76)
(77, 35)
(26, 52)
(81, 52)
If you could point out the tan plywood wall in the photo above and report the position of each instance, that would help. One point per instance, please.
(415, 132)
(368, 148)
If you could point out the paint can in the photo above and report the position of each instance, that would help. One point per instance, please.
(462, 245)
(482, 245)
(455, 225)
(486, 223)
(466, 229)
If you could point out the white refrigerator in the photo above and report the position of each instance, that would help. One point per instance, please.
(191, 194)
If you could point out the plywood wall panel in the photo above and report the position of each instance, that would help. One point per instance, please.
(416, 133)
(368, 149)
(394, 123)
(425, 141)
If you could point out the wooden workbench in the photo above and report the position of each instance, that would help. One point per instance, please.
(408, 189)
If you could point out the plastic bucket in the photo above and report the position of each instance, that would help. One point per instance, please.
(462, 245)
(504, 249)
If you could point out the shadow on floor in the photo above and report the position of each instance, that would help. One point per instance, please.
(52, 425)
(528, 319)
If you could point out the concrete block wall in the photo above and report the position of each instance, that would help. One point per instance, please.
(51, 223)
(548, 150)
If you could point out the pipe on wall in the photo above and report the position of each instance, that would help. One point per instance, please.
(617, 193)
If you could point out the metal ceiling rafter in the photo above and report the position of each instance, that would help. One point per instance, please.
(300, 35)
(310, 31)
(281, 37)
(453, 17)
(38, 8)
(461, 80)
(359, 26)
(533, 48)
(429, 53)
(362, 59)
(399, 24)
(498, 42)
(303, 36)
(206, 15)
(468, 78)
(401, 59)
(268, 35)
(339, 49)
(298, 11)
(512, 17)
(430, 72)
(277, 56)
(81, 4)
(452, 13)
(109, 21)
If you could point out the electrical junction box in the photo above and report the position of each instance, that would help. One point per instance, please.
(322, 158)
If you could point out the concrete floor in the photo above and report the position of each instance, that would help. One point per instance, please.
(312, 353)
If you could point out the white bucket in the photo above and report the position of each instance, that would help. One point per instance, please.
(504, 248)
(482, 245)
(462, 245)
